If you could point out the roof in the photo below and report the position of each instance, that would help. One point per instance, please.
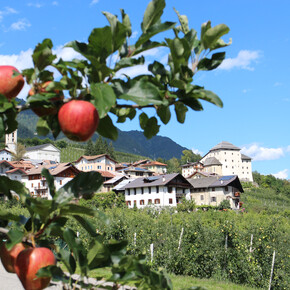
(131, 168)
(106, 174)
(153, 163)
(38, 147)
(203, 173)
(122, 184)
(4, 149)
(154, 180)
(22, 171)
(189, 164)
(22, 164)
(93, 157)
(211, 161)
(53, 169)
(245, 157)
(224, 145)
(141, 162)
(115, 179)
(216, 181)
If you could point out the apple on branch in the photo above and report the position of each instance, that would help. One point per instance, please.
(10, 85)
(28, 263)
(42, 89)
(8, 257)
(78, 120)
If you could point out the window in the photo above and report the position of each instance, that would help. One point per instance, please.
(135, 203)
(213, 199)
(60, 182)
(170, 201)
(31, 185)
(128, 202)
(226, 188)
(149, 189)
(157, 201)
(213, 189)
(135, 191)
(157, 189)
(169, 189)
(149, 201)
(141, 202)
(142, 190)
(202, 197)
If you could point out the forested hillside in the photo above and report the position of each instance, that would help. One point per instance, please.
(132, 142)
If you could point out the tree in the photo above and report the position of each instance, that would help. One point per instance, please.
(173, 165)
(20, 152)
(89, 149)
(96, 80)
(99, 146)
(189, 156)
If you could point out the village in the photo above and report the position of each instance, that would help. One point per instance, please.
(211, 180)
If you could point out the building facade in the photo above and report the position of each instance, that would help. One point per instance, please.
(43, 152)
(101, 162)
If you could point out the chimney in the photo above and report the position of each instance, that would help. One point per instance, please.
(163, 179)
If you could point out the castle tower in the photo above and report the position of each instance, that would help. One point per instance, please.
(11, 141)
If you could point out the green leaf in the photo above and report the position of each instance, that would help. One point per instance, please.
(126, 22)
(140, 91)
(68, 260)
(7, 185)
(128, 62)
(85, 183)
(87, 225)
(143, 119)
(118, 30)
(208, 96)
(77, 248)
(42, 55)
(104, 98)
(73, 209)
(152, 14)
(2, 126)
(42, 127)
(164, 114)
(213, 34)
(152, 128)
(50, 181)
(15, 236)
(212, 63)
(98, 255)
(6, 215)
(153, 30)
(183, 22)
(180, 110)
(107, 129)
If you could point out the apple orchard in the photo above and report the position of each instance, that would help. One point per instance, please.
(80, 103)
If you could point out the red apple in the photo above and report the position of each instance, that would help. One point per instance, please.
(10, 85)
(78, 120)
(8, 258)
(29, 262)
(42, 111)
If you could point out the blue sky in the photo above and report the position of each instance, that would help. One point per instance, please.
(253, 82)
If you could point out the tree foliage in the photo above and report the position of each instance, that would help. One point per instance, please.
(96, 79)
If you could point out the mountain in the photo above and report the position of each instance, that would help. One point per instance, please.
(128, 141)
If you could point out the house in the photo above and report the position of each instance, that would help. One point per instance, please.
(43, 152)
(191, 167)
(156, 167)
(160, 190)
(108, 185)
(101, 162)
(213, 190)
(136, 172)
(5, 166)
(37, 184)
(5, 155)
(226, 159)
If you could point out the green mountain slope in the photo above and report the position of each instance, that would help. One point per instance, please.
(129, 142)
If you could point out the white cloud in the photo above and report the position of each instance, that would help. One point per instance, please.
(277, 84)
(94, 2)
(244, 60)
(283, 174)
(7, 11)
(55, 3)
(22, 24)
(36, 5)
(259, 153)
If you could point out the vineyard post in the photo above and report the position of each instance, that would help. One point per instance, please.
(151, 251)
(272, 269)
(180, 238)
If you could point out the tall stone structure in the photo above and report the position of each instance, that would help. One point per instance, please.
(11, 141)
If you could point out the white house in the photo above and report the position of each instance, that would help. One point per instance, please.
(213, 190)
(36, 183)
(43, 152)
(101, 162)
(11, 141)
(160, 190)
(5, 166)
(5, 155)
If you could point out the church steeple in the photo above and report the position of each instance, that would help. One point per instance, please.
(11, 141)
